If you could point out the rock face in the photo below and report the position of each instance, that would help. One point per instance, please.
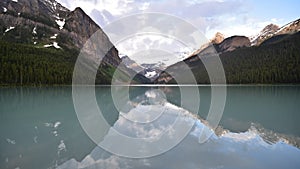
(232, 43)
(219, 37)
(226, 45)
(46, 23)
(131, 64)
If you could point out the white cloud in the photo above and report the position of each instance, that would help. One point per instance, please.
(241, 25)
(201, 13)
(209, 16)
(150, 48)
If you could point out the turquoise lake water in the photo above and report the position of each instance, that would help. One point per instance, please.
(259, 129)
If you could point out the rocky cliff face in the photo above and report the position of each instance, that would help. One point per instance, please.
(232, 43)
(46, 23)
(131, 64)
(219, 37)
(221, 45)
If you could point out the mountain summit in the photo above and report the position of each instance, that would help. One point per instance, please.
(266, 33)
(219, 37)
(45, 22)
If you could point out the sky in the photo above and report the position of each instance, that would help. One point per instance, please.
(230, 17)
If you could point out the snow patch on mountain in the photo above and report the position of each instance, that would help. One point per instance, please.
(150, 74)
(34, 31)
(53, 4)
(54, 36)
(9, 29)
(60, 23)
(55, 44)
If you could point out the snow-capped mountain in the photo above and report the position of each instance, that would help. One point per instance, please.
(39, 24)
(266, 33)
(273, 30)
(150, 71)
(47, 24)
(289, 28)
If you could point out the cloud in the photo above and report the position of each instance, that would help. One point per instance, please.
(151, 48)
(201, 13)
(230, 17)
(241, 25)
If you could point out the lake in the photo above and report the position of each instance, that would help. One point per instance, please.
(259, 128)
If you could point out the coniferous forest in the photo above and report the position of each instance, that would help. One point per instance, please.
(276, 61)
(29, 65)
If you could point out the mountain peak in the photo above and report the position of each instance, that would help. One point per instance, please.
(264, 34)
(270, 27)
(219, 37)
(79, 10)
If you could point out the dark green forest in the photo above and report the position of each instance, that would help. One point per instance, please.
(275, 62)
(29, 65)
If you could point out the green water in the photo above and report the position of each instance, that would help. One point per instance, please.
(39, 127)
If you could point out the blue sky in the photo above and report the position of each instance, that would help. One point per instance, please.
(287, 10)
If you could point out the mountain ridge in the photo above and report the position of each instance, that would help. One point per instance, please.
(275, 60)
(46, 27)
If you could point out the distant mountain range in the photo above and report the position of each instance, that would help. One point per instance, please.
(270, 57)
(150, 71)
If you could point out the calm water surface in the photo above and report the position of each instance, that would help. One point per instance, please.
(259, 129)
